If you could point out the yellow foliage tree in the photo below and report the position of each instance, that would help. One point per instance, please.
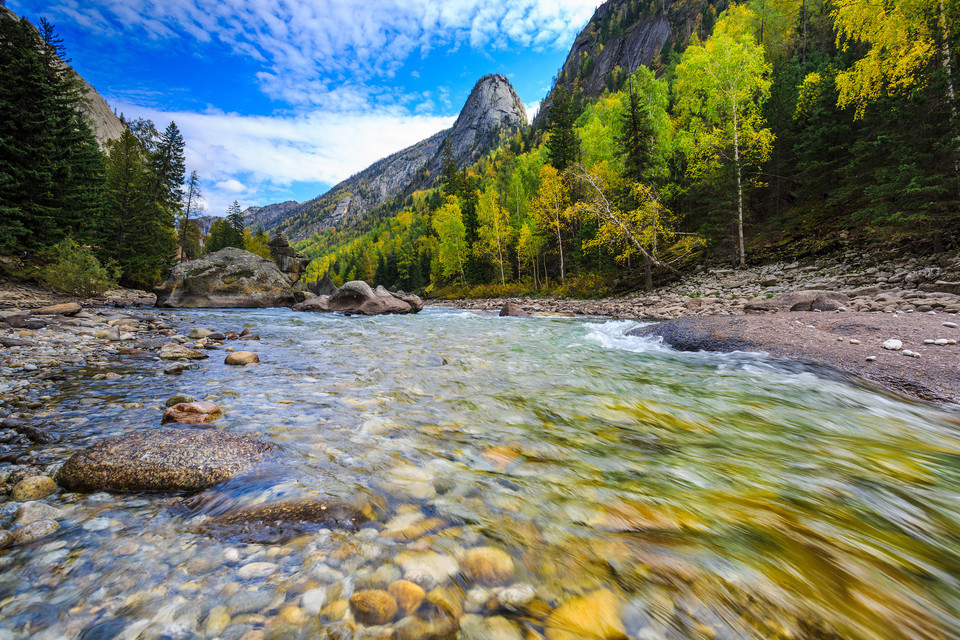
(550, 207)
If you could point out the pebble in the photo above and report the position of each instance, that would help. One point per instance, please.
(854, 341)
(257, 570)
(893, 345)
(373, 606)
(408, 595)
(33, 511)
(871, 358)
(595, 616)
(950, 325)
(34, 531)
(33, 488)
(488, 565)
(242, 358)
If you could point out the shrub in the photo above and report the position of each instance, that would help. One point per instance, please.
(73, 269)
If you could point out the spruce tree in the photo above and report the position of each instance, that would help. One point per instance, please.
(562, 145)
(235, 220)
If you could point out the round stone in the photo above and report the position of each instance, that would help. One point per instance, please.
(257, 570)
(33, 488)
(408, 595)
(242, 358)
(373, 606)
(488, 565)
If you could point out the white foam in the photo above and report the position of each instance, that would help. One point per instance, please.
(612, 335)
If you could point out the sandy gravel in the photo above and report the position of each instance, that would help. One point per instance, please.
(825, 338)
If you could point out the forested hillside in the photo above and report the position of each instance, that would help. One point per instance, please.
(96, 216)
(777, 125)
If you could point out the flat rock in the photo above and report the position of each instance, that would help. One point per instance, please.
(280, 522)
(65, 309)
(162, 460)
(174, 351)
(799, 301)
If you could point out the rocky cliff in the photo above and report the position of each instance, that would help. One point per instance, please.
(617, 41)
(104, 123)
(492, 112)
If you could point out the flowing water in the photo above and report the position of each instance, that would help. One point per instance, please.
(717, 496)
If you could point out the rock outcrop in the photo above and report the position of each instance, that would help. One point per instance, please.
(322, 287)
(162, 460)
(357, 297)
(226, 279)
(255, 217)
(291, 263)
(493, 112)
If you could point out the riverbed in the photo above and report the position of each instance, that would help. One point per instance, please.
(673, 495)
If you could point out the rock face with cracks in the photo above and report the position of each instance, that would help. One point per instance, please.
(357, 297)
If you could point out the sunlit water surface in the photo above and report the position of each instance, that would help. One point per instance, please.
(724, 496)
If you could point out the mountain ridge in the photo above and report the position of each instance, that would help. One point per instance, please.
(493, 110)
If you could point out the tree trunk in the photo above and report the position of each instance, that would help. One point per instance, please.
(736, 162)
(803, 49)
(560, 247)
(647, 274)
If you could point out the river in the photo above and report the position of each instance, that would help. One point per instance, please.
(716, 496)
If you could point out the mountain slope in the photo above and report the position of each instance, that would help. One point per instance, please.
(492, 112)
(254, 217)
(622, 36)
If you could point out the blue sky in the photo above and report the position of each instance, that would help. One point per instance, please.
(281, 99)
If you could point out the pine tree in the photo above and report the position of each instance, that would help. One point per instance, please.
(168, 165)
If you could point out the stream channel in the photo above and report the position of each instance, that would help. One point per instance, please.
(655, 494)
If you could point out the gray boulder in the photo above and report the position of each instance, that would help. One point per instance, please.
(225, 279)
(357, 297)
(800, 301)
(162, 460)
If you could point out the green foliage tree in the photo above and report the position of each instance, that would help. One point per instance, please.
(188, 245)
(73, 269)
(720, 88)
(235, 218)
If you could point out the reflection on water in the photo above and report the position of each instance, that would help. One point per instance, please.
(671, 495)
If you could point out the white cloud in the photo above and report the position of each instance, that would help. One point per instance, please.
(307, 46)
(231, 186)
(254, 156)
(532, 109)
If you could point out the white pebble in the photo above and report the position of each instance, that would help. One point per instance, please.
(871, 358)
(893, 345)
(854, 341)
(950, 325)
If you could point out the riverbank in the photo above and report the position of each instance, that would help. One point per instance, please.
(808, 312)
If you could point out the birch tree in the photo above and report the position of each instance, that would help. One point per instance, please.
(720, 88)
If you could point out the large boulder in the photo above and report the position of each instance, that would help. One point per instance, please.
(224, 279)
(357, 297)
(162, 460)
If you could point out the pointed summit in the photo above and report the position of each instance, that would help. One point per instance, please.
(493, 111)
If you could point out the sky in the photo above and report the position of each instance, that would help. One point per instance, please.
(282, 99)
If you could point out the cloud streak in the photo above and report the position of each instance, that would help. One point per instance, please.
(313, 52)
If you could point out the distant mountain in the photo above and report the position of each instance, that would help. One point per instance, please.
(254, 217)
(492, 112)
(104, 123)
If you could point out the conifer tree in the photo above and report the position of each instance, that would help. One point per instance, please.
(562, 145)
